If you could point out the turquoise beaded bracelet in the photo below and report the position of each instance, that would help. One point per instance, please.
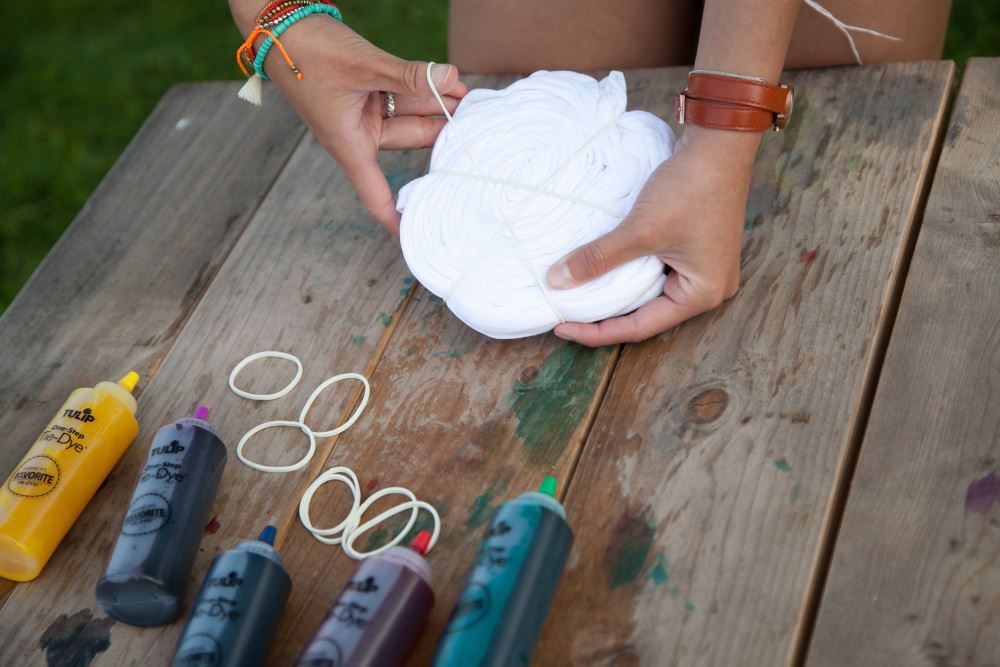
(294, 17)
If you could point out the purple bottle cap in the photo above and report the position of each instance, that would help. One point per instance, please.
(201, 413)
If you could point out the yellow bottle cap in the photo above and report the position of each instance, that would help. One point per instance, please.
(128, 382)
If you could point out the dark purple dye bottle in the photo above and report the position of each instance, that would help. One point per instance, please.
(379, 615)
(164, 523)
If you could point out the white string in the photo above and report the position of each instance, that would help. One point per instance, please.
(847, 29)
(557, 153)
(265, 355)
(347, 531)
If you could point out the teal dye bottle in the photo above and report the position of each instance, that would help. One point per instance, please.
(500, 612)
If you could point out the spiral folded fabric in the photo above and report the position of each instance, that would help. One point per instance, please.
(519, 178)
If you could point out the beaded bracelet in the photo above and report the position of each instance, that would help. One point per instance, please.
(279, 15)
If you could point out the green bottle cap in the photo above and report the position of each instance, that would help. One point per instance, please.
(548, 486)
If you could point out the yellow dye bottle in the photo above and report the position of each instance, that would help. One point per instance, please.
(62, 471)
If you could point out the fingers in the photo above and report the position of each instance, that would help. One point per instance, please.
(410, 77)
(681, 301)
(408, 105)
(620, 245)
(372, 187)
(404, 132)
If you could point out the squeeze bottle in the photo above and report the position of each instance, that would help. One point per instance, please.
(499, 614)
(47, 491)
(380, 614)
(164, 523)
(238, 607)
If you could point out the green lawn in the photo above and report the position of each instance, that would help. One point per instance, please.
(79, 79)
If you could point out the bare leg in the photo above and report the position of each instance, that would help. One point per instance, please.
(525, 35)
(921, 24)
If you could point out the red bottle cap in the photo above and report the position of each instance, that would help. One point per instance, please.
(421, 542)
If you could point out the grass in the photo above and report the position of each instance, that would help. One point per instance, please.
(80, 78)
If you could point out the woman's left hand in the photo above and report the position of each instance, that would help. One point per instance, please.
(689, 214)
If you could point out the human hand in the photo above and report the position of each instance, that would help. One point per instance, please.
(690, 215)
(339, 99)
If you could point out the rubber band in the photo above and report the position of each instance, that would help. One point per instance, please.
(298, 465)
(354, 415)
(270, 354)
(348, 530)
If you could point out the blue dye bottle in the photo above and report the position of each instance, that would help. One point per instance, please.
(500, 612)
(238, 607)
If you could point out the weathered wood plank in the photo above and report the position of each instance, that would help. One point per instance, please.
(464, 421)
(915, 577)
(703, 494)
(116, 289)
(311, 274)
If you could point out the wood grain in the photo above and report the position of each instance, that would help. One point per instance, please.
(703, 495)
(312, 274)
(915, 578)
(464, 421)
(115, 291)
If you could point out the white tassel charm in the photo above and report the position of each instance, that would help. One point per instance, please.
(252, 90)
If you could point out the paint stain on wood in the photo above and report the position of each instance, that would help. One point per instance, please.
(74, 641)
(551, 405)
(982, 493)
(782, 465)
(479, 511)
(658, 573)
(807, 256)
(796, 492)
(213, 526)
(632, 538)
(853, 164)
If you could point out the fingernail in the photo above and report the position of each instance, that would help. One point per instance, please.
(560, 334)
(440, 74)
(559, 276)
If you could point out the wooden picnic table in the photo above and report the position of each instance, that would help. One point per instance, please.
(782, 480)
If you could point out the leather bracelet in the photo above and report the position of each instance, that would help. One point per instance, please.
(733, 102)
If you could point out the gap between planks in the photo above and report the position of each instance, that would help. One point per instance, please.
(6, 586)
(837, 503)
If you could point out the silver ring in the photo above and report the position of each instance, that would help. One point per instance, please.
(388, 105)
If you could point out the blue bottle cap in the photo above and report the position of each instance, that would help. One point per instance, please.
(268, 534)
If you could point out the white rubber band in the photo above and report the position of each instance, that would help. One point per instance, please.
(348, 530)
(271, 424)
(357, 411)
(270, 354)
(402, 507)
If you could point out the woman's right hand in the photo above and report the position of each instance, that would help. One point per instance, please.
(339, 99)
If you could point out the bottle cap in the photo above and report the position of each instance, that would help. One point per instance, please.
(421, 542)
(268, 534)
(548, 486)
(128, 382)
(201, 413)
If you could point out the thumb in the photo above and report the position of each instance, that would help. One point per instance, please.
(596, 258)
(410, 76)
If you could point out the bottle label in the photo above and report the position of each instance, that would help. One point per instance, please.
(147, 514)
(35, 477)
(199, 649)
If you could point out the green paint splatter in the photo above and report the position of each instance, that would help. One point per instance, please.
(365, 229)
(386, 320)
(674, 592)
(377, 538)
(550, 407)
(854, 163)
(408, 280)
(658, 573)
(631, 541)
(782, 465)
(689, 606)
(796, 492)
(449, 354)
(423, 522)
(405, 292)
(399, 178)
(434, 298)
(358, 340)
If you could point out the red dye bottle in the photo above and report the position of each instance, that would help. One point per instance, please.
(379, 615)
